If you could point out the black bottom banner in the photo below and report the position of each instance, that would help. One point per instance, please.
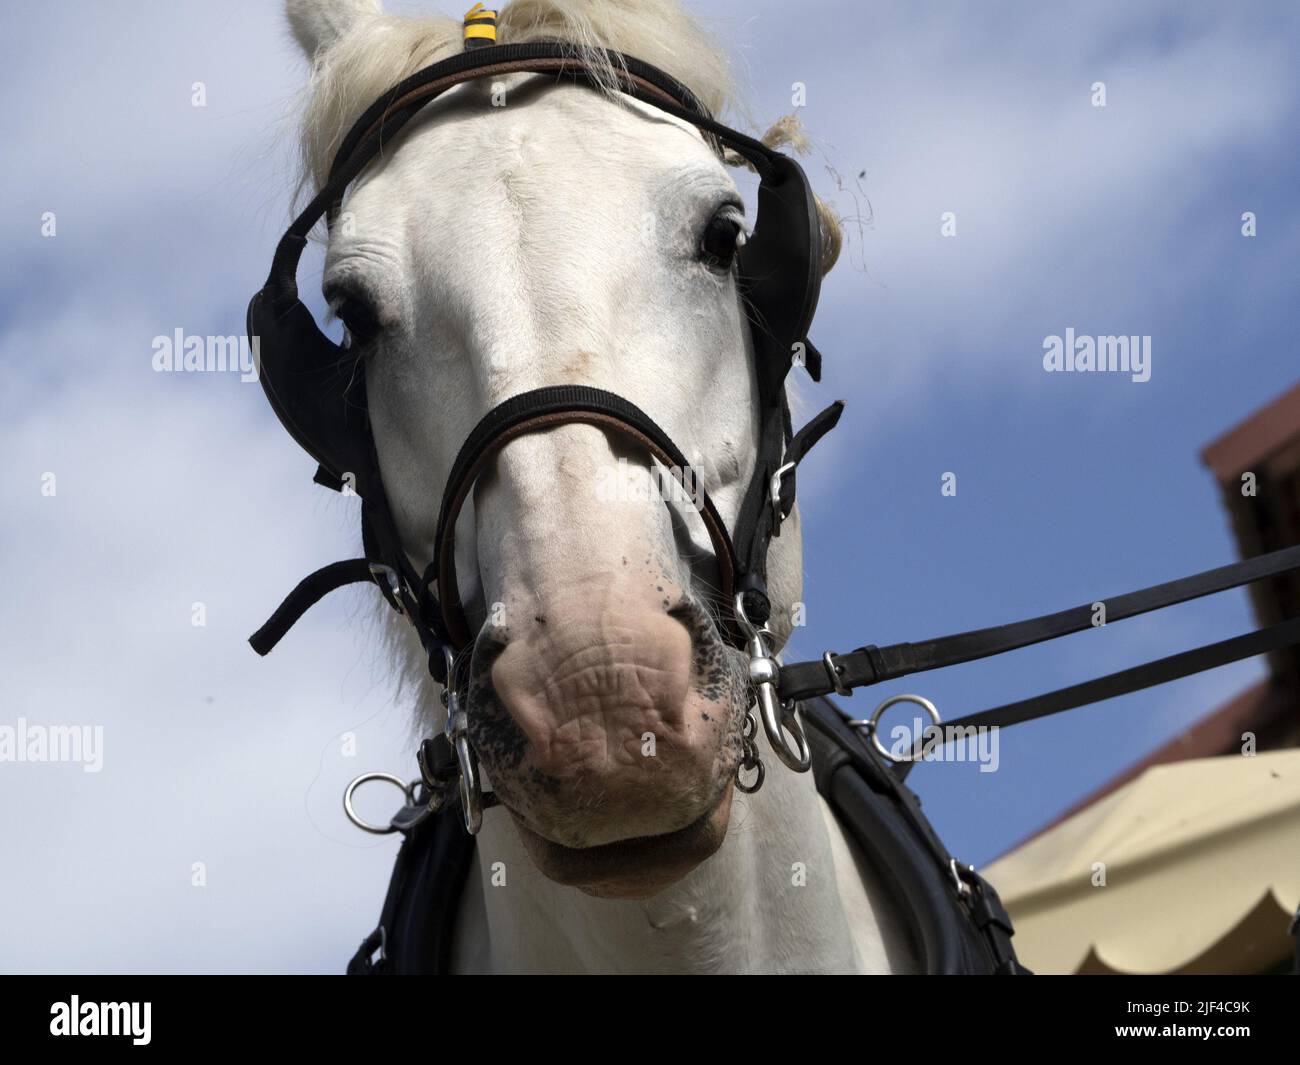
(1226, 1015)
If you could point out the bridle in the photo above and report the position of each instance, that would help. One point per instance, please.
(323, 408)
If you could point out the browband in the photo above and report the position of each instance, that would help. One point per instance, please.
(386, 117)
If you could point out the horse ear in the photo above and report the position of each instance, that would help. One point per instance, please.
(319, 24)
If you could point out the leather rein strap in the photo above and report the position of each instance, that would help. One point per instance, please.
(871, 665)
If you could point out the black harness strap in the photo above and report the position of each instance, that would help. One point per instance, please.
(944, 900)
(416, 927)
(309, 591)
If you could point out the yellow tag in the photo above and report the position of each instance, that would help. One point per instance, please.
(480, 24)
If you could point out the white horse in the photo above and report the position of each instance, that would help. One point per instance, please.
(572, 236)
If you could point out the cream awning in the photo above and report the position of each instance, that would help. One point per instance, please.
(1201, 861)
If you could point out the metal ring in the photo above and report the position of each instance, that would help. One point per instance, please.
(871, 726)
(407, 789)
(749, 789)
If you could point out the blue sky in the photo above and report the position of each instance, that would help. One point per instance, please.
(175, 489)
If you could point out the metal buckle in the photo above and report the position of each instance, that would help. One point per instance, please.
(778, 718)
(833, 672)
(963, 888)
(774, 495)
(380, 569)
(871, 725)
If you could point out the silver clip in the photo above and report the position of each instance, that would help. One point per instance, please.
(457, 733)
(778, 719)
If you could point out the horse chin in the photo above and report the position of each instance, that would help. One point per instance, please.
(636, 868)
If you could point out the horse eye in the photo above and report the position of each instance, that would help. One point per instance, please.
(723, 238)
(358, 318)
